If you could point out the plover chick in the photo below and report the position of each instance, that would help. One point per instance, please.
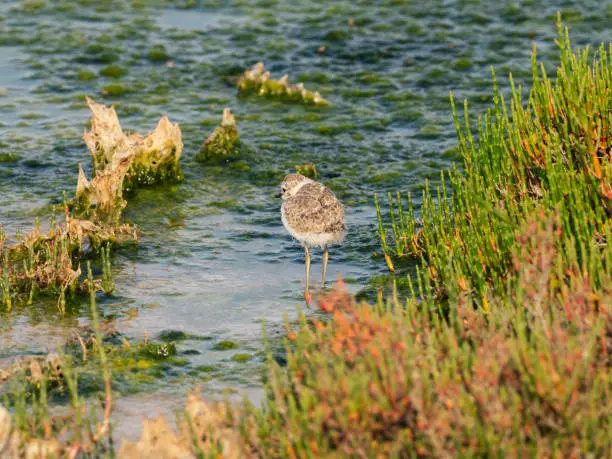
(313, 215)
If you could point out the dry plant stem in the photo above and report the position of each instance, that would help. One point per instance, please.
(102, 354)
(83, 346)
(325, 259)
(307, 268)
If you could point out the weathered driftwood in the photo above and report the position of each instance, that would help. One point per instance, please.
(224, 140)
(258, 81)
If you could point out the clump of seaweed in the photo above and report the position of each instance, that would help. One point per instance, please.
(132, 364)
(150, 159)
(307, 170)
(48, 263)
(224, 140)
(258, 81)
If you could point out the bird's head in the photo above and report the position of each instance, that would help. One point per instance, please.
(291, 185)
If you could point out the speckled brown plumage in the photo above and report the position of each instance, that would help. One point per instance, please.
(314, 209)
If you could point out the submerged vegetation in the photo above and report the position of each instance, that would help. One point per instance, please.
(258, 81)
(501, 349)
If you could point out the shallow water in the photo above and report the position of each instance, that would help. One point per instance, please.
(213, 258)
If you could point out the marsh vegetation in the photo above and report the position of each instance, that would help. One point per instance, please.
(474, 316)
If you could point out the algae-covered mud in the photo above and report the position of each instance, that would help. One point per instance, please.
(213, 259)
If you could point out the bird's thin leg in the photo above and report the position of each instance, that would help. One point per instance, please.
(325, 258)
(307, 266)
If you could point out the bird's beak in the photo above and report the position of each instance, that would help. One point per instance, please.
(278, 195)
